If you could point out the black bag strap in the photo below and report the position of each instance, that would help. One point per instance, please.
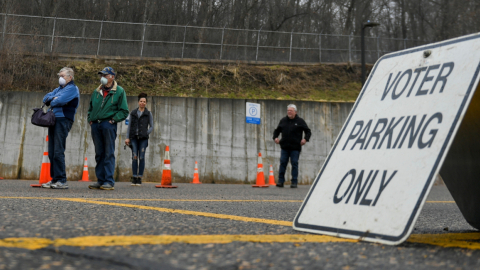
(49, 109)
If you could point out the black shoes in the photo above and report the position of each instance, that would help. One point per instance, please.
(293, 185)
(136, 181)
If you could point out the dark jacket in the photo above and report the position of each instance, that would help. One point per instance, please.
(292, 133)
(140, 123)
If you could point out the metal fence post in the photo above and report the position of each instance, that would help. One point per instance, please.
(4, 30)
(83, 32)
(378, 47)
(405, 44)
(100, 36)
(291, 42)
(143, 39)
(258, 43)
(221, 45)
(350, 48)
(53, 33)
(320, 48)
(184, 36)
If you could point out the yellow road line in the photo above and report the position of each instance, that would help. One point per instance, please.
(26, 243)
(192, 200)
(460, 240)
(184, 212)
(168, 210)
(103, 241)
(455, 240)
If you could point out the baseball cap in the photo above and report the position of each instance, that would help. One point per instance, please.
(107, 70)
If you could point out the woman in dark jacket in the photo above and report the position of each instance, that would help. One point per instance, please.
(139, 129)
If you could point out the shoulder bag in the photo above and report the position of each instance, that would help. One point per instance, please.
(43, 119)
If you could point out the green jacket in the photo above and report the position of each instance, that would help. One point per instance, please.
(113, 106)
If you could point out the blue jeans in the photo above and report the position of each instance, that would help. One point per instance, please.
(139, 146)
(57, 140)
(104, 135)
(285, 155)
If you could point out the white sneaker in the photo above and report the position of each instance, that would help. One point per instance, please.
(47, 185)
(59, 185)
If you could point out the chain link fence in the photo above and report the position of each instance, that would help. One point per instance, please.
(107, 38)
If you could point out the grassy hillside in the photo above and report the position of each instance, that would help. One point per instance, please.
(319, 82)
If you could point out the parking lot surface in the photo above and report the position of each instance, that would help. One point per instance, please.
(208, 226)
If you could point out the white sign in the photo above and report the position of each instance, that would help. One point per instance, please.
(382, 166)
(253, 113)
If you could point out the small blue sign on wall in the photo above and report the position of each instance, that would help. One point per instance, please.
(253, 113)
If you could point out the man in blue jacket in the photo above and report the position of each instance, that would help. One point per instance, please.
(64, 102)
(292, 128)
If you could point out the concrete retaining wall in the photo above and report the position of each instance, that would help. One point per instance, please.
(210, 131)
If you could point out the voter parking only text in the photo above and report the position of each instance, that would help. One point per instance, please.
(390, 133)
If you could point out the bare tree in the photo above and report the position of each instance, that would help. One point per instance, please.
(428, 20)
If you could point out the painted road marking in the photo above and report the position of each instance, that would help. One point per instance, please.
(455, 240)
(185, 212)
(102, 241)
(167, 210)
(460, 240)
(192, 200)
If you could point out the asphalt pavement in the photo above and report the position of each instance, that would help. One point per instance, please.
(208, 226)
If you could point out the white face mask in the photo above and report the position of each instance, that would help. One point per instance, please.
(104, 81)
(62, 81)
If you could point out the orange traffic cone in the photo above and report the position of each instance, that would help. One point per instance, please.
(85, 172)
(45, 169)
(167, 172)
(271, 178)
(260, 175)
(196, 179)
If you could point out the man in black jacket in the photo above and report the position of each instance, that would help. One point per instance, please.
(292, 128)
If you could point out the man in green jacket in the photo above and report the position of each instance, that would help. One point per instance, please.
(108, 106)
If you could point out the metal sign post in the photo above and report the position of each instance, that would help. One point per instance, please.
(416, 116)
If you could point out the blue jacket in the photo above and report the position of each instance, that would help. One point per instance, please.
(66, 102)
